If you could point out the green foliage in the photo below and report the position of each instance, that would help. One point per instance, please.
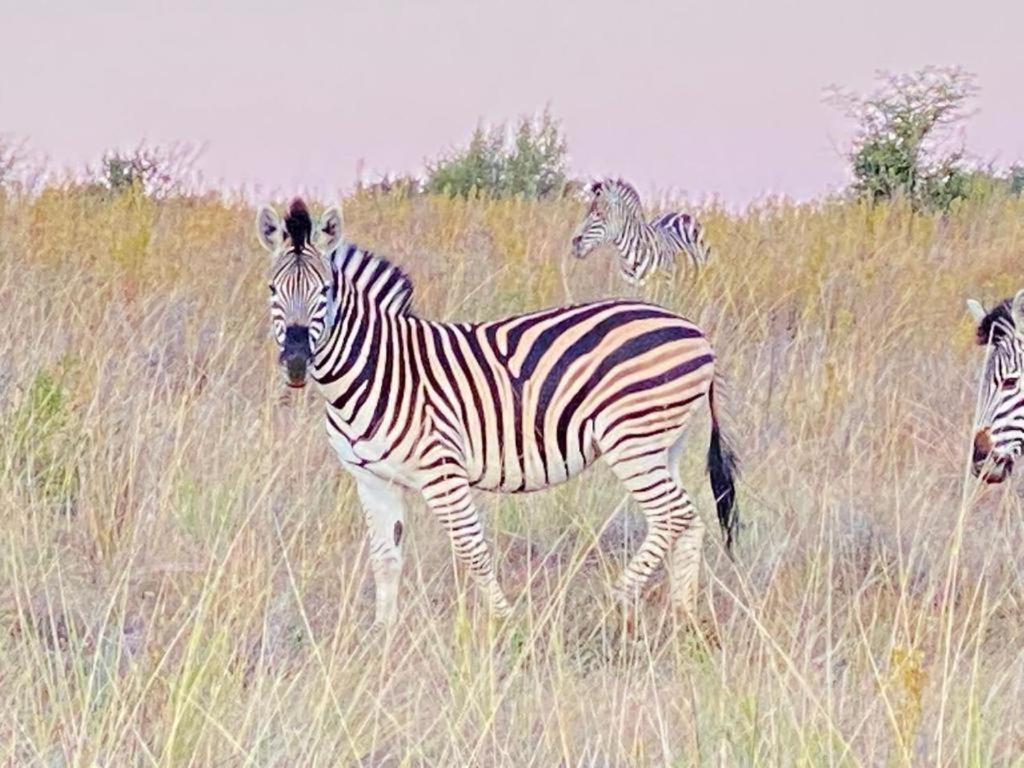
(1015, 178)
(902, 146)
(975, 184)
(529, 162)
(40, 431)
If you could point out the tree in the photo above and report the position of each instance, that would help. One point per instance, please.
(902, 147)
(477, 167)
(537, 165)
(529, 162)
(1015, 177)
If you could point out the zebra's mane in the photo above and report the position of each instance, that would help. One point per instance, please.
(997, 324)
(298, 224)
(621, 191)
(385, 284)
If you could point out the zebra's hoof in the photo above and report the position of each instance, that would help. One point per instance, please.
(626, 607)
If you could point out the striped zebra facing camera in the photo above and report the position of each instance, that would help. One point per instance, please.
(512, 405)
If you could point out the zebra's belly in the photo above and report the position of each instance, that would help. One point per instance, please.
(527, 476)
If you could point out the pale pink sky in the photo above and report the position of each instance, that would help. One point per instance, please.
(712, 97)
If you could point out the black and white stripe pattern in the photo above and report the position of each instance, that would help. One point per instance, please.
(616, 216)
(999, 426)
(511, 406)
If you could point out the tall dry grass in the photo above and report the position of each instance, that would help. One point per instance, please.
(183, 576)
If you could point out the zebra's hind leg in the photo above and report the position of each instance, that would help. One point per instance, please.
(685, 557)
(450, 499)
(671, 519)
(384, 509)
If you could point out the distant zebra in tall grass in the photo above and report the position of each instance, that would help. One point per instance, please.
(616, 216)
(511, 405)
(999, 431)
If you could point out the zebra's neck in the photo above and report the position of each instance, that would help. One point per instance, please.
(637, 245)
(371, 277)
(366, 348)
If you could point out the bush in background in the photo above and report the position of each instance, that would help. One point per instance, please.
(904, 145)
(530, 161)
(1015, 179)
(158, 172)
(402, 184)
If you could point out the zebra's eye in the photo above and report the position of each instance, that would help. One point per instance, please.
(324, 291)
(273, 290)
(1010, 382)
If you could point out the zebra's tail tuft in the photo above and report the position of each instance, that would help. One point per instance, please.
(723, 467)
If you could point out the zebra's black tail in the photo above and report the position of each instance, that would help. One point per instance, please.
(722, 469)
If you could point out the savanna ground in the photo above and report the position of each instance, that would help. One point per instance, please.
(184, 580)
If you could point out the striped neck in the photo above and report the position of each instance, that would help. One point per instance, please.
(367, 293)
(637, 245)
(372, 278)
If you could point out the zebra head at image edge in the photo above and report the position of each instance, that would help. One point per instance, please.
(998, 439)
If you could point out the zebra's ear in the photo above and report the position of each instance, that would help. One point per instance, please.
(329, 229)
(1017, 311)
(268, 229)
(976, 309)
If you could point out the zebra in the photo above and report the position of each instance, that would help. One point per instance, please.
(616, 216)
(513, 405)
(999, 425)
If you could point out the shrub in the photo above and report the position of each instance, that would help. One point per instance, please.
(403, 185)
(157, 172)
(530, 162)
(902, 145)
(1015, 178)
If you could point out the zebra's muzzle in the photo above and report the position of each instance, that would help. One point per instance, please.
(987, 465)
(993, 472)
(295, 355)
(577, 247)
(295, 369)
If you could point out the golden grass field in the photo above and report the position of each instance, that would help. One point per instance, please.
(184, 582)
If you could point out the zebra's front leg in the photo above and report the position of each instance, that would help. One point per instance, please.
(384, 510)
(451, 500)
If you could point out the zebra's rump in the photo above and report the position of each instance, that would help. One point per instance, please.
(680, 233)
(541, 396)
